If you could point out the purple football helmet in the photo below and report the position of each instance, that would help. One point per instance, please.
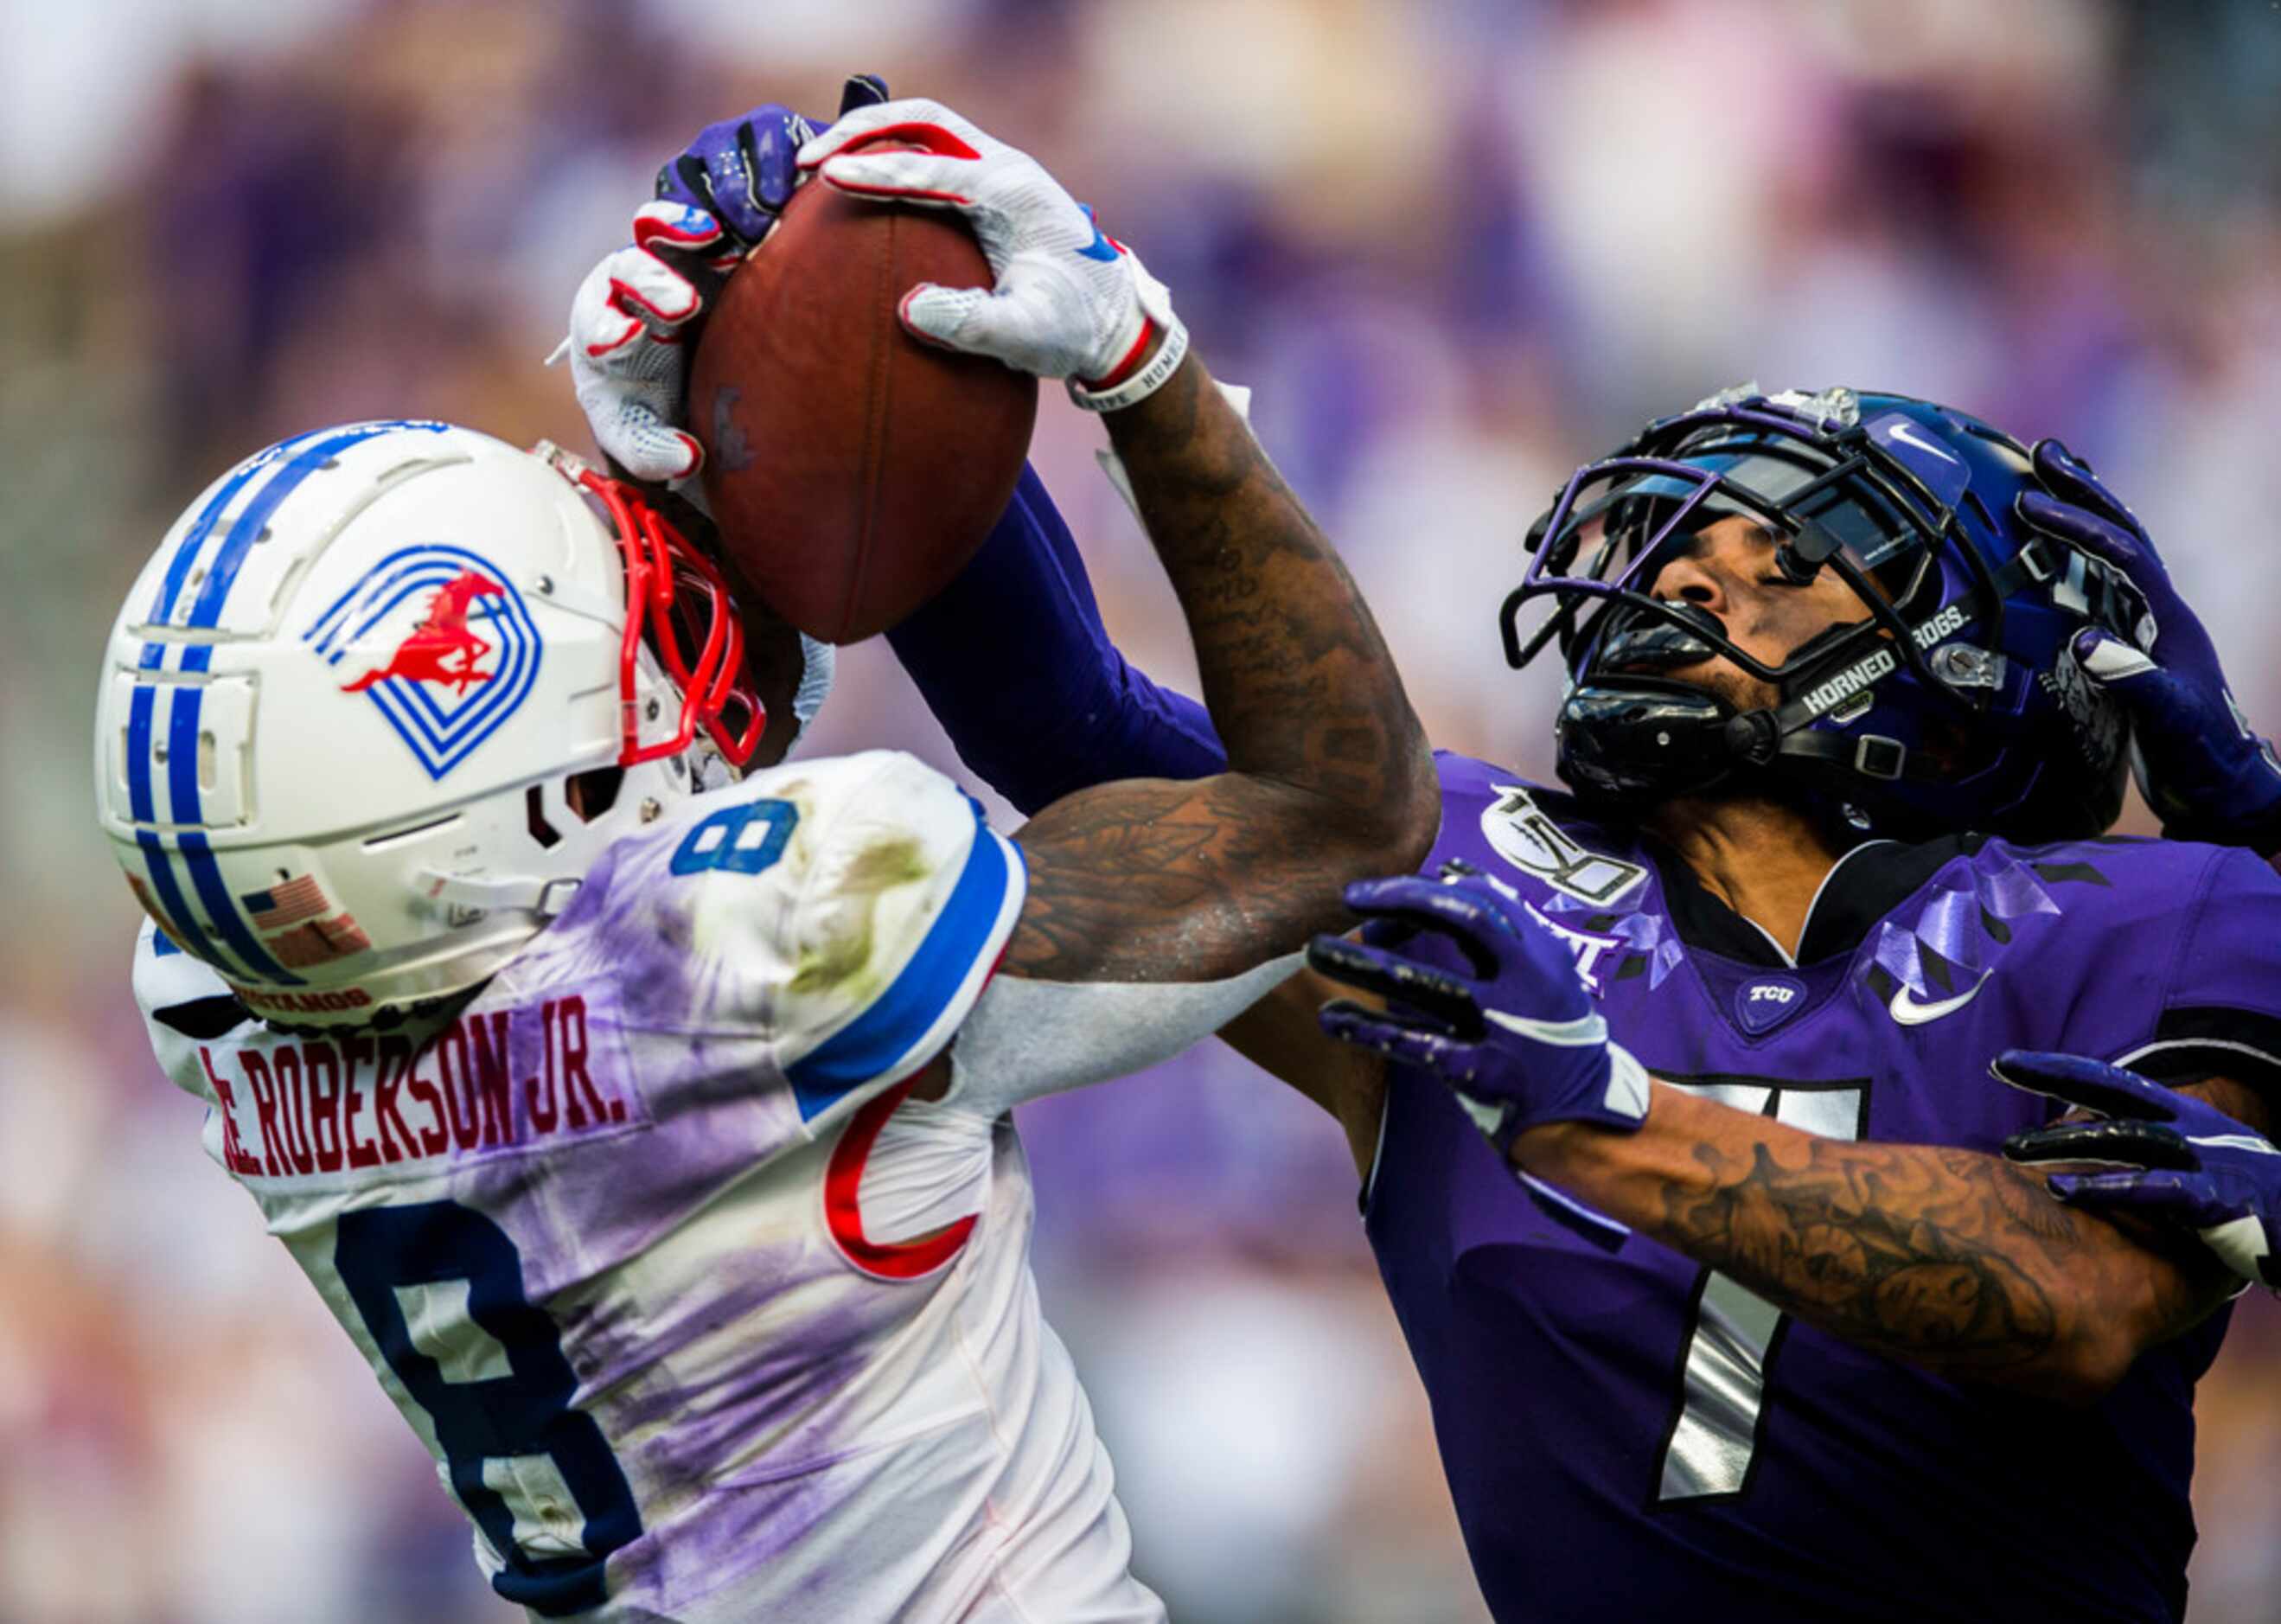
(1957, 704)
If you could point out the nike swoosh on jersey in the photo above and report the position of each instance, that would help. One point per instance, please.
(1909, 1012)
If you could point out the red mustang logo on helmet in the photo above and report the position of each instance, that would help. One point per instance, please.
(440, 649)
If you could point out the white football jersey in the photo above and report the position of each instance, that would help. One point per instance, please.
(701, 1319)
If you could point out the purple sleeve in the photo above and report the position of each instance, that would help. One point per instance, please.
(2221, 1008)
(1014, 661)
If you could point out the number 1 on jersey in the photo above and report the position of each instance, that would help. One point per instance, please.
(1732, 1330)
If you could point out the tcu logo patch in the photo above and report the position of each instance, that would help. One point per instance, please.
(1522, 834)
(1763, 1004)
(440, 642)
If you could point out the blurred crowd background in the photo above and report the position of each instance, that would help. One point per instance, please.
(1456, 247)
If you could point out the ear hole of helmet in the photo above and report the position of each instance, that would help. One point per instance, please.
(588, 796)
(534, 802)
(591, 794)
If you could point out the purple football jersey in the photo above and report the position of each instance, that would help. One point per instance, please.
(1630, 1435)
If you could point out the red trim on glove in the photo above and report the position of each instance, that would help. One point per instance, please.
(903, 318)
(1130, 364)
(893, 191)
(927, 137)
(597, 351)
(646, 228)
(624, 293)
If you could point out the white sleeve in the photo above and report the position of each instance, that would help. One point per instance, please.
(1027, 1039)
(861, 939)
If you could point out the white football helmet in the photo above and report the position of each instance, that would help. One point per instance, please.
(343, 706)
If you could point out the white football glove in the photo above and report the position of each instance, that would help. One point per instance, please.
(629, 362)
(1070, 302)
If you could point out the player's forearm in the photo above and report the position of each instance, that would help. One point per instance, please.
(1298, 681)
(1013, 660)
(1946, 1257)
(1329, 779)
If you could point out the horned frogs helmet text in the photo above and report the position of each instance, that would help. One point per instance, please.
(342, 707)
(1957, 701)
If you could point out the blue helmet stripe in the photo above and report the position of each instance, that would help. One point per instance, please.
(247, 527)
(197, 855)
(183, 754)
(187, 701)
(178, 568)
(161, 864)
(206, 874)
(199, 657)
(139, 707)
(143, 806)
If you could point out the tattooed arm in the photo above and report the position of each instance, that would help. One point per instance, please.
(1329, 777)
(1952, 1260)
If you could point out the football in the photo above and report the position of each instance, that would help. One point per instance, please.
(853, 469)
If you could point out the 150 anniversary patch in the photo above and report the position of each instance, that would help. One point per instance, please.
(1525, 836)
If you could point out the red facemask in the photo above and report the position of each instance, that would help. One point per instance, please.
(678, 602)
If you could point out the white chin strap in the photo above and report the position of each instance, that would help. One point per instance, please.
(519, 894)
(708, 769)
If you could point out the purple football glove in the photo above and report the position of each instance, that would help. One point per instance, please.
(2181, 1161)
(1517, 1041)
(2206, 774)
(743, 171)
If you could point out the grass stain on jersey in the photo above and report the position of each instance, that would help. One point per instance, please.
(837, 962)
